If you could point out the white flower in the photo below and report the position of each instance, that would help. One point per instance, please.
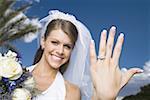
(29, 83)
(11, 54)
(10, 67)
(21, 94)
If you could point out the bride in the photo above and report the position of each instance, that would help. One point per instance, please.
(66, 66)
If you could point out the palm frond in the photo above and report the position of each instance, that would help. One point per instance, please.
(28, 29)
(13, 25)
(5, 5)
(12, 14)
(11, 28)
(23, 7)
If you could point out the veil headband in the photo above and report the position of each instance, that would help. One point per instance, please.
(78, 68)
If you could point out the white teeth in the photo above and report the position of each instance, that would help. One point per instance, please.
(56, 57)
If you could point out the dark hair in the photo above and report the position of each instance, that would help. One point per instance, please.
(68, 28)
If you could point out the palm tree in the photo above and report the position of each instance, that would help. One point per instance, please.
(11, 26)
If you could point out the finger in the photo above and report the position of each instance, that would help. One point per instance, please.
(110, 42)
(129, 74)
(118, 48)
(102, 44)
(92, 53)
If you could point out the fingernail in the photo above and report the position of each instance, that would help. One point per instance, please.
(92, 41)
(113, 28)
(104, 32)
(121, 35)
(140, 70)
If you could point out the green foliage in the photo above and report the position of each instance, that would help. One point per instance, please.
(144, 94)
(11, 29)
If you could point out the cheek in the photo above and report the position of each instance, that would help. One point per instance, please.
(49, 47)
(68, 54)
(48, 50)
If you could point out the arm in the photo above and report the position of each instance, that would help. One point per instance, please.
(72, 92)
(107, 77)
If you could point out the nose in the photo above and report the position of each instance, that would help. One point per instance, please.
(60, 49)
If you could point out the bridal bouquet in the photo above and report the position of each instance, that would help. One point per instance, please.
(16, 83)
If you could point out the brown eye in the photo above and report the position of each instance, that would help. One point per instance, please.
(54, 42)
(68, 47)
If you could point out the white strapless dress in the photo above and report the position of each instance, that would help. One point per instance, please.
(56, 91)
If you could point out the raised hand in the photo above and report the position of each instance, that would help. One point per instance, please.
(106, 75)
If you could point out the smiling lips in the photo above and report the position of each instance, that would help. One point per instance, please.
(56, 58)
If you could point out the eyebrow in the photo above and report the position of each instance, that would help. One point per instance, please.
(71, 44)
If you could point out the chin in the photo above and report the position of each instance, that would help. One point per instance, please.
(55, 65)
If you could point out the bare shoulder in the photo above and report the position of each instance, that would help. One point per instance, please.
(72, 91)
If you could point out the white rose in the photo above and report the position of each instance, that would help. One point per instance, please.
(29, 83)
(11, 54)
(21, 94)
(10, 68)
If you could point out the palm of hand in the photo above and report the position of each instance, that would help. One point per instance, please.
(106, 75)
(107, 79)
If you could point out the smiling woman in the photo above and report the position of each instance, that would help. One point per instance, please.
(56, 45)
(60, 36)
(67, 58)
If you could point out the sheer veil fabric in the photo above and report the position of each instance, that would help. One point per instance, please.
(78, 71)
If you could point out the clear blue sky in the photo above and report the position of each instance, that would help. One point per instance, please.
(132, 17)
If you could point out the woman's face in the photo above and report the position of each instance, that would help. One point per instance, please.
(57, 48)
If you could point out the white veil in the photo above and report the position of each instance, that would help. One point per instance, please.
(78, 69)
